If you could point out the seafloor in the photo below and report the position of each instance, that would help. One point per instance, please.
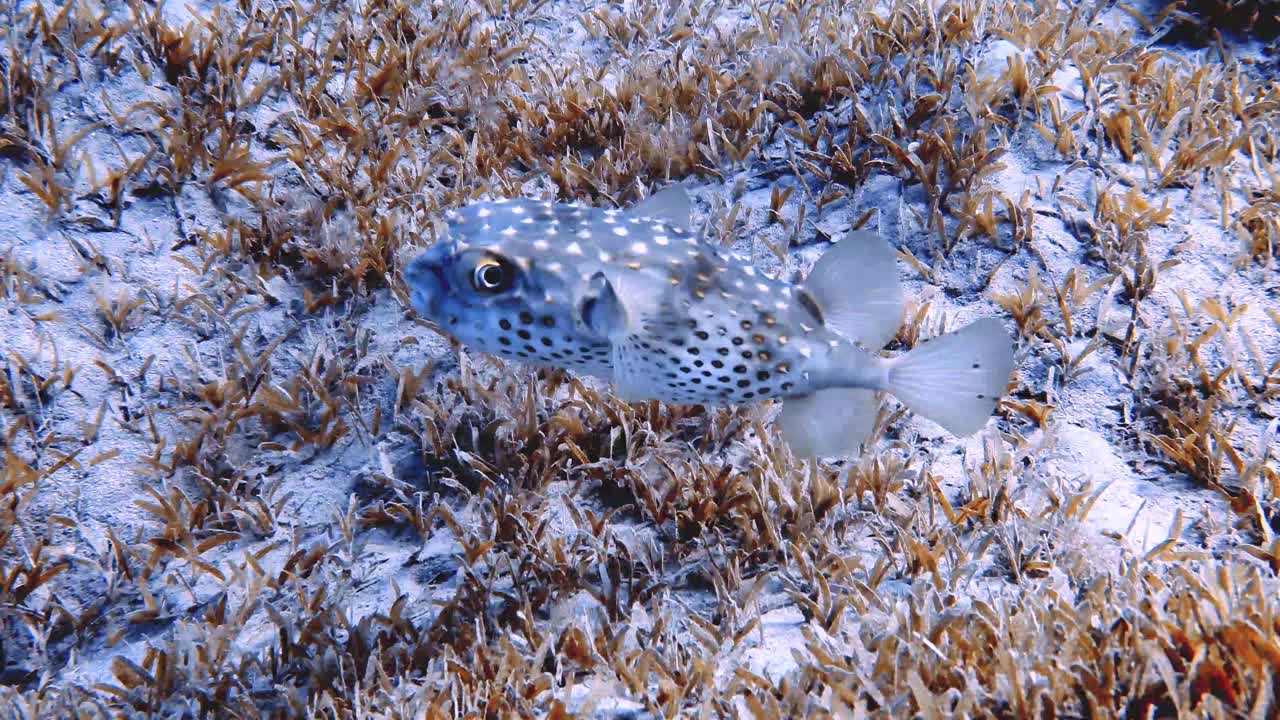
(240, 479)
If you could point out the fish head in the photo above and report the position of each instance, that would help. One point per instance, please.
(499, 283)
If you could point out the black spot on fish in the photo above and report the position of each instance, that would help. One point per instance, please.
(505, 324)
(548, 321)
(762, 375)
(717, 364)
(546, 341)
(739, 369)
(504, 341)
(524, 334)
(526, 318)
(744, 383)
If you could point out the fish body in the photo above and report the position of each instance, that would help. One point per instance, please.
(634, 297)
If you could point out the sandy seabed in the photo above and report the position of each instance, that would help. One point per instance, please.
(242, 480)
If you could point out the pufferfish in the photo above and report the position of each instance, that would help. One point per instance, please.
(636, 298)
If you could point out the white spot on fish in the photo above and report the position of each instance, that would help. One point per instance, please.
(661, 239)
(605, 257)
(555, 267)
(762, 287)
(620, 231)
(608, 220)
(639, 248)
(517, 210)
(584, 234)
(781, 305)
(509, 231)
(541, 245)
(482, 212)
(749, 271)
(526, 221)
(573, 249)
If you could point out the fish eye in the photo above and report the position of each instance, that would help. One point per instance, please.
(491, 276)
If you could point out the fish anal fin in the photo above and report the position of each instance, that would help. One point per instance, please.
(828, 423)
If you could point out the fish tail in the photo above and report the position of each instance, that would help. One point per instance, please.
(956, 380)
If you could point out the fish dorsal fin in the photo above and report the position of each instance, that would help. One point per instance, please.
(671, 205)
(855, 284)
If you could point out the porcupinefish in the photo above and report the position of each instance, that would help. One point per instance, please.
(636, 298)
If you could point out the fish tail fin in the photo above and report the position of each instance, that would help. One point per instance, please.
(829, 422)
(956, 380)
(855, 285)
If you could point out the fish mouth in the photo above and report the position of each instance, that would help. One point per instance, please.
(425, 284)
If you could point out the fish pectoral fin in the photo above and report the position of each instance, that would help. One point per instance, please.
(671, 205)
(828, 423)
(631, 382)
(602, 310)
